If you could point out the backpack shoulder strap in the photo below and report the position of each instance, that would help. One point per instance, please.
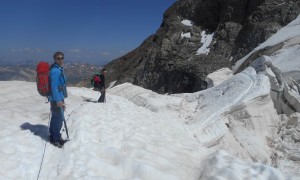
(61, 71)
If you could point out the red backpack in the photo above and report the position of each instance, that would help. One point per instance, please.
(42, 78)
(95, 81)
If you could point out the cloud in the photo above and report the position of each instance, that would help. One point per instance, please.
(105, 53)
(75, 50)
(123, 51)
(39, 50)
(17, 50)
(27, 50)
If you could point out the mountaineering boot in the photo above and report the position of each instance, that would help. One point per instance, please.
(60, 143)
(57, 144)
(51, 139)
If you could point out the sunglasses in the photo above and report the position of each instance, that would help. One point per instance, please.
(60, 58)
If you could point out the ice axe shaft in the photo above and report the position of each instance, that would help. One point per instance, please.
(65, 123)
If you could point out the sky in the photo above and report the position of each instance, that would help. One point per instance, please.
(94, 31)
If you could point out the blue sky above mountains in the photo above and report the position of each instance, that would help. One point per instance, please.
(94, 31)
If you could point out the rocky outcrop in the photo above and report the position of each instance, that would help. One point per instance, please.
(200, 37)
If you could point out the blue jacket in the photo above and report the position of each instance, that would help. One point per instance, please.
(58, 83)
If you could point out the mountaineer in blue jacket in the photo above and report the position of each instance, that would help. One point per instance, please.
(58, 94)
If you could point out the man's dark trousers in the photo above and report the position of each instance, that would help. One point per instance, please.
(102, 97)
(56, 122)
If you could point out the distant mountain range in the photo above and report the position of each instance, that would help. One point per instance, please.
(77, 74)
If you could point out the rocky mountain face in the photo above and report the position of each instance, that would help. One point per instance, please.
(77, 74)
(175, 59)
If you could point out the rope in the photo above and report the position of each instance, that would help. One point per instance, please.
(74, 110)
(41, 164)
(45, 145)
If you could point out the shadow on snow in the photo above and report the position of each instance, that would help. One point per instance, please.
(38, 130)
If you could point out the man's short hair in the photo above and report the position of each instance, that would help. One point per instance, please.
(104, 70)
(58, 53)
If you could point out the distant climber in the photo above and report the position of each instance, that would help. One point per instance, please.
(99, 84)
